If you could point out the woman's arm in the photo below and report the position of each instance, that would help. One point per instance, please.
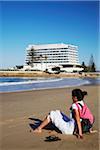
(77, 117)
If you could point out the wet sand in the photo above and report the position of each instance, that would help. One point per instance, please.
(18, 109)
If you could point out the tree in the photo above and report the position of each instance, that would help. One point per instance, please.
(46, 57)
(92, 67)
(41, 58)
(32, 57)
(84, 66)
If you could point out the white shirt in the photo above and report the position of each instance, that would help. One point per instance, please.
(74, 106)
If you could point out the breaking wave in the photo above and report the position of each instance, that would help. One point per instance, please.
(8, 84)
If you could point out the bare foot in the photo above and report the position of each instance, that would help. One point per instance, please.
(93, 131)
(37, 130)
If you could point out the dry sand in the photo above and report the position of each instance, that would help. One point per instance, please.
(17, 108)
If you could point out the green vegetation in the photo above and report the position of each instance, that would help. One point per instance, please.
(91, 67)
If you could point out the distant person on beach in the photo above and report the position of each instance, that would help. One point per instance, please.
(80, 121)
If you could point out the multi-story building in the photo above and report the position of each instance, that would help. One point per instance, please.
(48, 56)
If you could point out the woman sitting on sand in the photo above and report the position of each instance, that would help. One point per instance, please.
(80, 121)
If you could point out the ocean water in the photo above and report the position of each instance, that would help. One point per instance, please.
(14, 84)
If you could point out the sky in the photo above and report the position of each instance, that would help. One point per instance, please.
(44, 22)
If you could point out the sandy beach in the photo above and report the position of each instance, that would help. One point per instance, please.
(17, 111)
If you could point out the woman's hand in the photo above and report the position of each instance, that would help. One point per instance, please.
(80, 136)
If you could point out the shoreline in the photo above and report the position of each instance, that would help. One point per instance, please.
(54, 88)
(34, 86)
(43, 74)
(18, 108)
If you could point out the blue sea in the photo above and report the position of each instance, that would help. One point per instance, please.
(14, 84)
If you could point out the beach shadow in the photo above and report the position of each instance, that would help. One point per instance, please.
(37, 122)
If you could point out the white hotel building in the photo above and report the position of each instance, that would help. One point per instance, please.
(48, 56)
